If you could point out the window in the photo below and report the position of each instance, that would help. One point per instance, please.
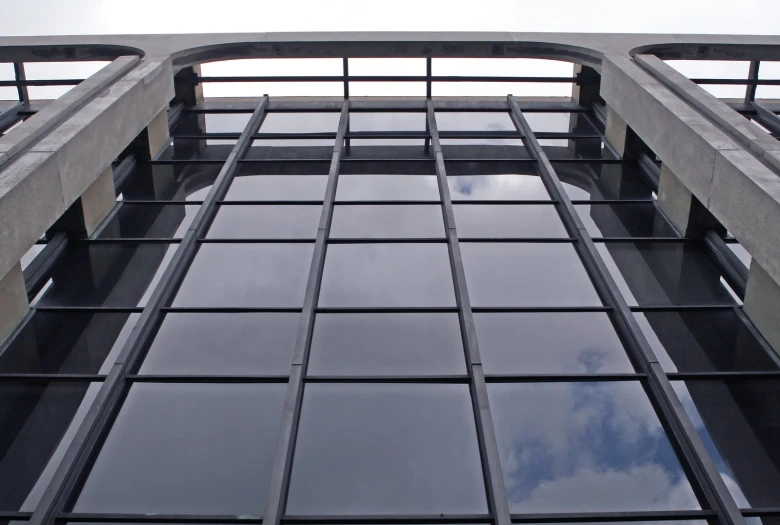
(265, 222)
(387, 188)
(508, 221)
(384, 222)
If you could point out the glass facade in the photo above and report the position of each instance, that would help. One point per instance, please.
(421, 314)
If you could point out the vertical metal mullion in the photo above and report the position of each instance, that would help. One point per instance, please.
(285, 446)
(21, 76)
(491, 466)
(76, 460)
(660, 389)
(750, 89)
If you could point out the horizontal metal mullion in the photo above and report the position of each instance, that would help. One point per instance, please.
(388, 203)
(23, 377)
(228, 309)
(135, 240)
(201, 378)
(155, 518)
(45, 82)
(386, 520)
(597, 239)
(253, 240)
(381, 78)
(385, 309)
(587, 517)
(479, 202)
(386, 240)
(699, 376)
(162, 202)
(323, 135)
(737, 81)
(519, 239)
(270, 203)
(463, 379)
(521, 309)
(561, 378)
(96, 309)
(613, 202)
(164, 162)
(669, 307)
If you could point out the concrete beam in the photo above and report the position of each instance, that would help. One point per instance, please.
(38, 186)
(761, 300)
(13, 300)
(685, 211)
(741, 193)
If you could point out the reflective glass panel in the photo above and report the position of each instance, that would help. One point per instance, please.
(36, 425)
(387, 344)
(474, 121)
(550, 343)
(387, 275)
(703, 341)
(483, 148)
(226, 122)
(223, 343)
(590, 148)
(262, 275)
(277, 188)
(178, 448)
(387, 221)
(597, 181)
(386, 449)
(738, 422)
(504, 220)
(387, 188)
(67, 343)
(526, 274)
(497, 187)
(542, 122)
(624, 220)
(387, 121)
(664, 273)
(149, 221)
(319, 122)
(240, 221)
(180, 182)
(585, 447)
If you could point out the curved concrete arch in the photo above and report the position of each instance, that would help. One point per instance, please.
(66, 52)
(710, 51)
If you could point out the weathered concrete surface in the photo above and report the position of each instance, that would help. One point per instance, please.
(761, 300)
(13, 300)
(97, 201)
(157, 133)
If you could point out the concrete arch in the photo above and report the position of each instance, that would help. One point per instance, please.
(66, 52)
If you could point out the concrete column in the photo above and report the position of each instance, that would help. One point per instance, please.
(690, 217)
(13, 300)
(621, 137)
(85, 215)
(157, 133)
(762, 298)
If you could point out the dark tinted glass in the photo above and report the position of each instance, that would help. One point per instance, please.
(386, 449)
(277, 188)
(484, 148)
(268, 274)
(387, 187)
(188, 449)
(107, 274)
(289, 149)
(387, 121)
(178, 182)
(223, 343)
(703, 341)
(505, 220)
(624, 220)
(387, 275)
(149, 221)
(596, 181)
(265, 222)
(387, 344)
(558, 122)
(300, 122)
(586, 149)
(387, 221)
(526, 274)
(67, 343)
(474, 121)
(497, 187)
(664, 273)
(226, 122)
(585, 447)
(550, 343)
(34, 418)
(738, 423)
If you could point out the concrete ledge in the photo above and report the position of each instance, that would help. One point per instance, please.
(53, 114)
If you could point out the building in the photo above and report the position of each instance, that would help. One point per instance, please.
(421, 309)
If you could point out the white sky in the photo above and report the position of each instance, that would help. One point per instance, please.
(51, 17)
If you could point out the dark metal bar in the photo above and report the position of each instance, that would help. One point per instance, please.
(498, 503)
(21, 78)
(672, 414)
(85, 444)
(387, 78)
(37, 272)
(346, 78)
(621, 517)
(428, 76)
(734, 270)
(424, 519)
(282, 466)
(725, 375)
(49, 82)
(737, 81)
(561, 378)
(192, 378)
(767, 118)
(50, 377)
(387, 379)
(750, 89)
(154, 518)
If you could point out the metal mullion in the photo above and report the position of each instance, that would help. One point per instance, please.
(561, 378)
(700, 376)
(86, 442)
(204, 378)
(498, 502)
(385, 310)
(271, 203)
(164, 202)
(750, 90)
(425, 519)
(424, 379)
(672, 307)
(621, 517)
(659, 389)
(282, 465)
(21, 87)
(99, 517)
(227, 309)
(767, 118)
(53, 377)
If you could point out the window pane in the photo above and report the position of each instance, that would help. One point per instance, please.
(34, 419)
(67, 343)
(387, 344)
(703, 341)
(484, 148)
(265, 222)
(386, 449)
(558, 122)
(585, 447)
(188, 449)
(550, 343)
(262, 275)
(387, 275)
(387, 121)
(742, 253)
(188, 182)
(737, 421)
(502, 220)
(387, 188)
(664, 273)
(226, 122)
(624, 220)
(590, 148)
(474, 121)
(391, 221)
(107, 274)
(300, 122)
(596, 181)
(149, 221)
(526, 274)
(277, 188)
(223, 343)
(497, 187)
